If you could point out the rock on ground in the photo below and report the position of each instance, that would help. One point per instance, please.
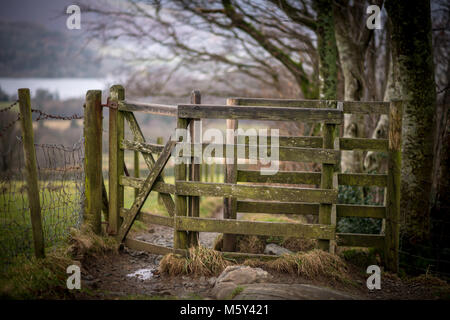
(272, 248)
(234, 276)
(279, 291)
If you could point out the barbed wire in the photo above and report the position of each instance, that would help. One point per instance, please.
(13, 122)
(44, 116)
(41, 116)
(9, 107)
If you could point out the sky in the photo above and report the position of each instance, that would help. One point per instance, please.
(49, 13)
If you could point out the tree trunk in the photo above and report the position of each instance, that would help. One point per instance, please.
(414, 77)
(326, 46)
(352, 61)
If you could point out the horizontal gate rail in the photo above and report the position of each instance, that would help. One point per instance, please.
(286, 229)
(137, 183)
(316, 142)
(379, 107)
(342, 210)
(151, 218)
(276, 207)
(152, 108)
(200, 111)
(360, 240)
(255, 192)
(312, 178)
(285, 153)
(362, 211)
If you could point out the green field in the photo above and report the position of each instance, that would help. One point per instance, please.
(60, 209)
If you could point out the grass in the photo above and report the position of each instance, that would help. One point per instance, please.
(236, 292)
(311, 265)
(200, 262)
(59, 203)
(31, 278)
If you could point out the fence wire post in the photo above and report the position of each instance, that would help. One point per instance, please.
(26, 123)
(93, 160)
(116, 160)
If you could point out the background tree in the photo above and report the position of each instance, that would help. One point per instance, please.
(414, 75)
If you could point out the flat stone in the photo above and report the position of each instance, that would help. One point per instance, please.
(277, 291)
(234, 276)
(275, 249)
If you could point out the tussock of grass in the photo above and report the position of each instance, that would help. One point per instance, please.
(250, 244)
(200, 262)
(244, 243)
(86, 244)
(312, 265)
(299, 244)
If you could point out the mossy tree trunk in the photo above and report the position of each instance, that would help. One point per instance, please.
(414, 77)
(326, 47)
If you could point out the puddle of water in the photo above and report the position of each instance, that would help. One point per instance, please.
(143, 274)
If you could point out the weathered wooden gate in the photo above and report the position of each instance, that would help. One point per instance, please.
(247, 190)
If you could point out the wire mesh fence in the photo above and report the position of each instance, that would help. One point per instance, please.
(61, 194)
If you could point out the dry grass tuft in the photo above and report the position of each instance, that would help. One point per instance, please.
(250, 244)
(299, 244)
(200, 262)
(312, 265)
(429, 280)
(86, 244)
(244, 243)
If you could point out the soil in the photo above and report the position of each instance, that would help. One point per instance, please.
(108, 277)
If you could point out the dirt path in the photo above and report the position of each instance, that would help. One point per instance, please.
(134, 275)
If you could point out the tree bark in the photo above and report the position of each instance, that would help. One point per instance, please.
(352, 62)
(326, 46)
(414, 76)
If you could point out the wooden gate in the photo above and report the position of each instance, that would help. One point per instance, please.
(248, 190)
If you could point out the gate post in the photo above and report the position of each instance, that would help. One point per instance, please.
(230, 204)
(194, 168)
(93, 160)
(116, 160)
(328, 180)
(392, 231)
(29, 152)
(180, 238)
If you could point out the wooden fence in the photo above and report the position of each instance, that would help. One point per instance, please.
(247, 191)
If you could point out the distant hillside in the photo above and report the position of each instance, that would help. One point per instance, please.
(30, 50)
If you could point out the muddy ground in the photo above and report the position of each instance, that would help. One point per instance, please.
(110, 277)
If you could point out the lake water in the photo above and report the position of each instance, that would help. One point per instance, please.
(66, 88)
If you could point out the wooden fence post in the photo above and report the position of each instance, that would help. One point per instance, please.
(93, 160)
(136, 170)
(194, 169)
(230, 204)
(26, 123)
(159, 140)
(116, 160)
(180, 238)
(392, 230)
(328, 181)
